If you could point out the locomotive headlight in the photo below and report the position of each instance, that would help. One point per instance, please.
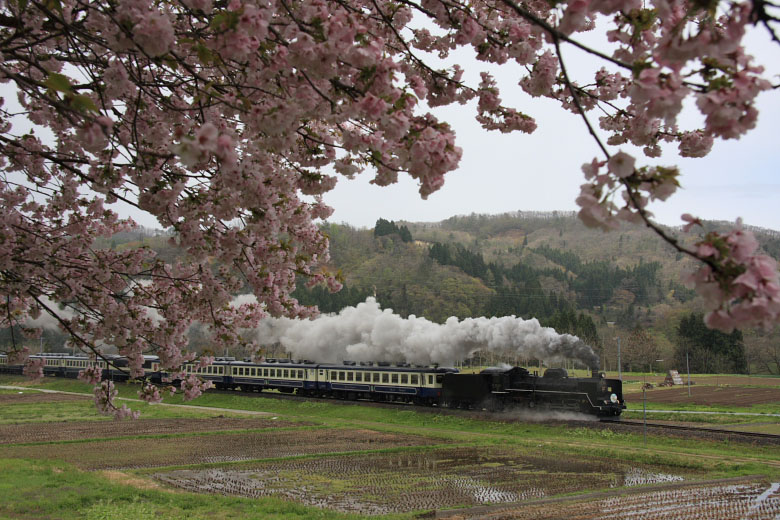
(613, 398)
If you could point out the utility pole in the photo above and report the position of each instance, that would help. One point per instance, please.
(644, 411)
(688, 368)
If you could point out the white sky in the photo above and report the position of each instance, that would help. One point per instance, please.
(541, 171)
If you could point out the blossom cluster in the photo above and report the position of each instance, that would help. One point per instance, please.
(105, 395)
(226, 122)
(741, 287)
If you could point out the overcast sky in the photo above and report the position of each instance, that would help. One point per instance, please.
(541, 171)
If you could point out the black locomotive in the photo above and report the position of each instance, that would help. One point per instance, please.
(513, 387)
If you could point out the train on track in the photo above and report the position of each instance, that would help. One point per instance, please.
(492, 388)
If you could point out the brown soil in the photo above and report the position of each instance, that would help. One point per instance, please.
(67, 431)
(39, 397)
(712, 395)
(200, 449)
(129, 480)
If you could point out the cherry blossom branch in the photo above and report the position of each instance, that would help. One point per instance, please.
(558, 35)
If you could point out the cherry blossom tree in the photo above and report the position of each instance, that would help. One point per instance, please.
(227, 121)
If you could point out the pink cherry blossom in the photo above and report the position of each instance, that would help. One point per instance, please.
(621, 165)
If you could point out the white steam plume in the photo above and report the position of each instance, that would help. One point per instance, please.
(368, 333)
(47, 321)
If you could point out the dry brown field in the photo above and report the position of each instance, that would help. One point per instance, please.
(69, 431)
(710, 395)
(39, 397)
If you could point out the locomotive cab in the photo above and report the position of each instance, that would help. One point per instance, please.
(605, 396)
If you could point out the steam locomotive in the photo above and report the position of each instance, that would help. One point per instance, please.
(492, 388)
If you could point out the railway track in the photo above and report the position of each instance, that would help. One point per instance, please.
(764, 438)
(579, 420)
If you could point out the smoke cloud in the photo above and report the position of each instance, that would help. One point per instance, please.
(368, 333)
(47, 321)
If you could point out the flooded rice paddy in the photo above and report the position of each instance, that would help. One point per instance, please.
(739, 501)
(411, 481)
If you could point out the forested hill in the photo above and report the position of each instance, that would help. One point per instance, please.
(600, 286)
(527, 264)
(545, 265)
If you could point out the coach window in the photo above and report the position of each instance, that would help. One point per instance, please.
(341, 376)
(404, 379)
(286, 373)
(430, 379)
(376, 377)
(359, 377)
(395, 378)
(350, 376)
(385, 378)
(414, 379)
(300, 374)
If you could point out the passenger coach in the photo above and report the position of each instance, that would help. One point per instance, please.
(351, 380)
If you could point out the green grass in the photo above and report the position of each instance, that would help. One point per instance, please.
(772, 408)
(39, 489)
(85, 411)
